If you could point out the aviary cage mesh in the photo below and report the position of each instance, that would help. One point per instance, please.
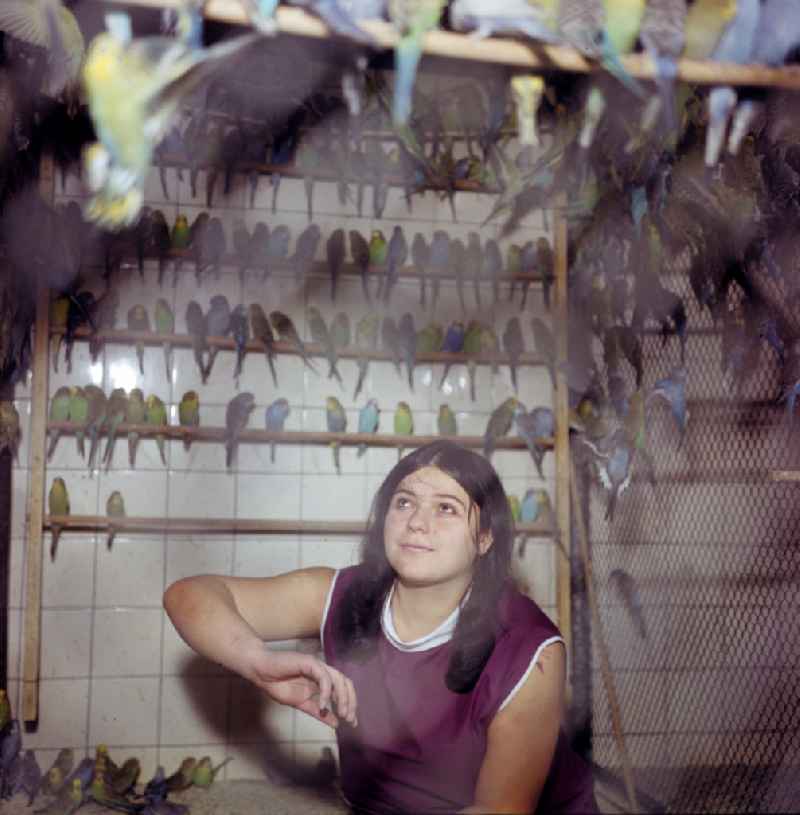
(710, 699)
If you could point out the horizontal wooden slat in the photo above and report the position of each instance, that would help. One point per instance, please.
(509, 52)
(299, 436)
(216, 526)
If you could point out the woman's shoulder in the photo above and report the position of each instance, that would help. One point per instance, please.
(522, 620)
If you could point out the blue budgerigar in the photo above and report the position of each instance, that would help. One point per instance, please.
(275, 418)
(453, 343)
(368, 421)
(672, 389)
(535, 427)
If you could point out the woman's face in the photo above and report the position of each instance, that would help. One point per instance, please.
(429, 533)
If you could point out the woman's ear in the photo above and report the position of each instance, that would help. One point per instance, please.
(485, 542)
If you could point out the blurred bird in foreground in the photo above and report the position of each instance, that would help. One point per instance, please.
(134, 89)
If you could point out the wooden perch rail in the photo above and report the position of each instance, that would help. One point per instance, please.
(320, 268)
(253, 526)
(516, 54)
(297, 436)
(322, 174)
(314, 349)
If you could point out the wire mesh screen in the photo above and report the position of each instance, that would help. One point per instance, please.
(709, 684)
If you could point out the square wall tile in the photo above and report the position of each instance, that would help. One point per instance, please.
(188, 556)
(65, 645)
(266, 556)
(268, 496)
(63, 707)
(194, 710)
(334, 551)
(68, 580)
(202, 495)
(132, 573)
(144, 493)
(257, 718)
(124, 711)
(334, 497)
(127, 642)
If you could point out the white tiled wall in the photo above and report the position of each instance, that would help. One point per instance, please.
(113, 668)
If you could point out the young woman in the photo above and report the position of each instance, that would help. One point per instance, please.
(444, 683)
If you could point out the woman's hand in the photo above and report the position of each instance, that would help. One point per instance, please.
(303, 681)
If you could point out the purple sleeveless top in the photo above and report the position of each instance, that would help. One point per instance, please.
(418, 746)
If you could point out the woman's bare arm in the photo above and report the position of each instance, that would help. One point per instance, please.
(522, 740)
(228, 619)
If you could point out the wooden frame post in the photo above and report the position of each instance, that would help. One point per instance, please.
(35, 514)
(561, 411)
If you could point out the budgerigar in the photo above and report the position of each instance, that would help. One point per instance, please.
(237, 414)
(134, 88)
(367, 422)
(189, 414)
(498, 425)
(403, 423)
(275, 418)
(366, 340)
(57, 504)
(446, 421)
(262, 331)
(336, 419)
(165, 324)
(155, 415)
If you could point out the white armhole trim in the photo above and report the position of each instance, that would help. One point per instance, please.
(533, 662)
(325, 610)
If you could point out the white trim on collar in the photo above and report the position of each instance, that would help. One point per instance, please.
(441, 634)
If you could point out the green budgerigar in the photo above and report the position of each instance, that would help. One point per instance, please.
(59, 412)
(189, 414)
(403, 423)
(165, 324)
(204, 772)
(134, 415)
(336, 420)
(446, 421)
(116, 411)
(155, 415)
(78, 415)
(95, 418)
(57, 505)
(115, 508)
(139, 320)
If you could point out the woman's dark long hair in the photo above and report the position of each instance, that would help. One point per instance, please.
(359, 615)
